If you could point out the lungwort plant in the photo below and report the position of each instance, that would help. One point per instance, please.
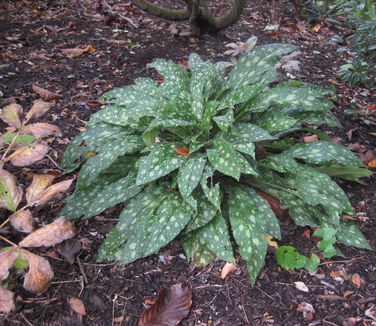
(189, 157)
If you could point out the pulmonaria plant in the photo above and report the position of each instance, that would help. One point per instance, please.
(189, 158)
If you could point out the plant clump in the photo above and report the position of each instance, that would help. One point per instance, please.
(190, 157)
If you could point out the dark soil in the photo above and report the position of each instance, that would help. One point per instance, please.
(32, 36)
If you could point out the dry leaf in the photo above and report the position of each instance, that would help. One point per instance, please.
(40, 130)
(172, 305)
(77, 51)
(45, 94)
(39, 108)
(11, 115)
(22, 221)
(301, 286)
(367, 156)
(11, 194)
(40, 273)
(39, 184)
(372, 164)
(338, 273)
(307, 310)
(7, 259)
(273, 203)
(227, 269)
(371, 312)
(270, 241)
(6, 301)
(357, 280)
(316, 27)
(54, 192)
(50, 234)
(27, 155)
(77, 305)
(308, 139)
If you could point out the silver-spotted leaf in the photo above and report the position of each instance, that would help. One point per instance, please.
(10, 192)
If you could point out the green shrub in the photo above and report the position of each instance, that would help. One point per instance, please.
(187, 156)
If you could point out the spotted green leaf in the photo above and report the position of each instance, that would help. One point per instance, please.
(196, 249)
(224, 122)
(212, 191)
(275, 121)
(322, 152)
(247, 132)
(161, 161)
(349, 234)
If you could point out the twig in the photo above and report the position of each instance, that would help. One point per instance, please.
(112, 12)
(10, 146)
(82, 270)
(341, 261)
(50, 158)
(8, 241)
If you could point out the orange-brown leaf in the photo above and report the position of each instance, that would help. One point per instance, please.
(45, 94)
(11, 115)
(77, 51)
(372, 164)
(39, 184)
(7, 258)
(40, 273)
(357, 280)
(22, 221)
(54, 192)
(77, 305)
(6, 301)
(308, 139)
(27, 155)
(39, 108)
(172, 305)
(183, 151)
(273, 203)
(40, 130)
(50, 234)
(227, 269)
(11, 194)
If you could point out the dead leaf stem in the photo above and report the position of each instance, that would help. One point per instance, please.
(8, 241)
(10, 146)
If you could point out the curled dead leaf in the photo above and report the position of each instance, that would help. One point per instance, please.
(40, 130)
(10, 192)
(357, 280)
(38, 185)
(77, 51)
(227, 269)
(77, 306)
(7, 259)
(172, 305)
(39, 108)
(301, 286)
(6, 301)
(269, 240)
(11, 115)
(22, 221)
(27, 155)
(45, 94)
(50, 234)
(54, 192)
(40, 273)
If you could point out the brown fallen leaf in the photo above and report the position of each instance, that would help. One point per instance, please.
(45, 94)
(77, 51)
(357, 280)
(50, 234)
(77, 306)
(53, 192)
(6, 301)
(39, 108)
(22, 221)
(301, 286)
(356, 147)
(39, 184)
(40, 273)
(367, 156)
(7, 259)
(11, 115)
(307, 310)
(371, 312)
(308, 139)
(27, 155)
(40, 130)
(11, 193)
(227, 269)
(172, 305)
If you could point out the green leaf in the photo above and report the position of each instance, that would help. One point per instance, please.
(103, 194)
(289, 258)
(211, 190)
(322, 152)
(146, 225)
(10, 192)
(349, 234)
(97, 163)
(224, 122)
(248, 227)
(190, 174)
(312, 264)
(351, 173)
(248, 133)
(328, 239)
(195, 248)
(161, 161)
(22, 139)
(275, 121)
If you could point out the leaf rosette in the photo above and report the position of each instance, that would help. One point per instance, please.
(189, 158)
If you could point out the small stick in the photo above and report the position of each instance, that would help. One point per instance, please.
(111, 11)
(8, 241)
(10, 146)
